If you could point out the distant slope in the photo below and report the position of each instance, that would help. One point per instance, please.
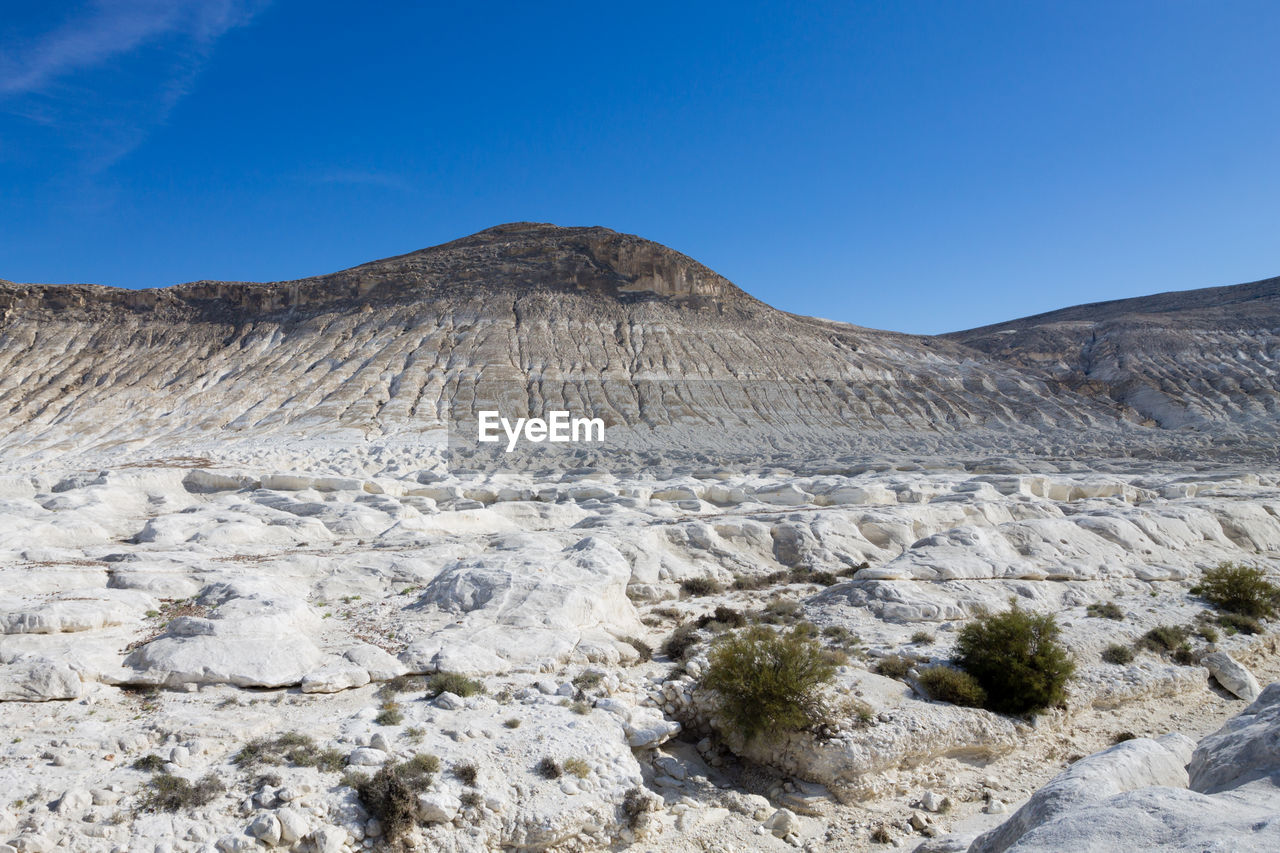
(539, 317)
(1195, 358)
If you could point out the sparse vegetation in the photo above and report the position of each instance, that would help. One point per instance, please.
(466, 773)
(577, 767)
(149, 763)
(921, 637)
(291, 747)
(1016, 657)
(1239, 589)
(768, 680)
(1164, 639)
(780, 611)
(452, 682)
(1117, 654)
(389, 715)
(894, 666)
(549, 768)
(634, 805)
(642, 648)
(580, 708)
(1107, 610)
(958, 687)
(512, 722)
(168, 793)
(1234, 623)
(588, 679)
(700, 587)
(391, 794)
(680, 641)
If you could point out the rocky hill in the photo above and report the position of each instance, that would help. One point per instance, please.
(543, 317)
(1196, 358)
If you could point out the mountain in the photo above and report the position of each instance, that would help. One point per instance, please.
(535, 317)
(1195, 358)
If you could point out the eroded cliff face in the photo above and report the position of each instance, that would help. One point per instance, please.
(584, 319)
(1202, 358)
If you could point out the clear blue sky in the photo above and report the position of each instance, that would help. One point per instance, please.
(922, 166)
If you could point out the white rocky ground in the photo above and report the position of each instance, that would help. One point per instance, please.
(177, 611)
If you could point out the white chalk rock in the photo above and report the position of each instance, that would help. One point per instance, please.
(1232, 675)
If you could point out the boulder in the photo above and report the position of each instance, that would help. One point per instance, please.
(1232, 675)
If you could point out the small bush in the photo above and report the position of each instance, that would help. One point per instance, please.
(922, 637)
(415, 734)
(579, 708)
(1117, 654)
(291, 747)
(1183, 656)
(452, 682)
(400, 684)
(471, 799)
(1109, 610)
(1017, 659)
(895, 666)
(782, 611)
(1121, 737)
(1163, 639)
(549, 768)
(466, 773)
(587, 680)
(149, 763)
(722, 619)
(642, 648)
(577, 767)
(681, 641)
(634, 805)
(767, 680)
(841, 636)
(390, 715)
(389, 797)
(754, 582)
(1208, 633)
(952, 685)
(1239, 589)
(167, 793)
(1234, 623)
(512, 723)
(700, 586)
(824, 578)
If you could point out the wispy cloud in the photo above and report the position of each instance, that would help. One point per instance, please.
(71, 77)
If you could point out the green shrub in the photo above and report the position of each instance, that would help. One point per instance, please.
(722, 619)
(1117, 654)
(700, 586)
(824, 578)
(781, 611)
(1239, 589)
(167, 793)
(1109, 610)
(895, 666)
(452, 682)
(1017, 659)
(1163, 639)
(922, 637)
(767, 680)
(400, 684)
(952, 685)
(1234, 623)
(1183, 656)
(466, 773)
(148, 763)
